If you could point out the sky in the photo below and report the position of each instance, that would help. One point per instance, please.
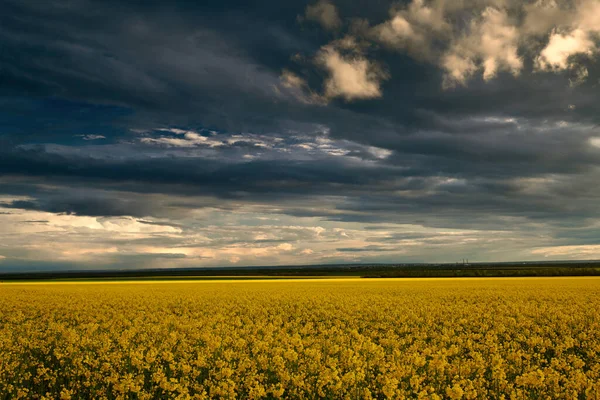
(148, 134)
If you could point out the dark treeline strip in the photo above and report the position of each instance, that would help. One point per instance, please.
(586, 268)
(485, 273)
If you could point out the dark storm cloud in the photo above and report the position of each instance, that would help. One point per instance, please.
(187, 64)
(90, 206)
(194, 174)
(170, 63)
(217, 62)
(414, 191)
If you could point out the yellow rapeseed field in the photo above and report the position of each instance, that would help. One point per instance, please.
(337, 339)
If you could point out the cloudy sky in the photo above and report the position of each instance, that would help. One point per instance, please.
(213, 133)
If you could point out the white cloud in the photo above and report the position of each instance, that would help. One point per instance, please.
(290, 145)
(588, 16)
(189, 139)
(576, 34)
(43, 236)
(92, 137)
(595, 141)
(298, 88)
(491, 36)
(489, 41)
(555, 56)
(291, 80)
(325, 13)
(458, 68)
(285, 246)
(491, 44)
(575, 251)
(170, 142)
(432, 17)
(398, 32)
(350, 77)
(498, 44)
(413, 29)
(379, 153)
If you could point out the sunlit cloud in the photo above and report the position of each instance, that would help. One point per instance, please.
(576, 252)
(350, 77)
